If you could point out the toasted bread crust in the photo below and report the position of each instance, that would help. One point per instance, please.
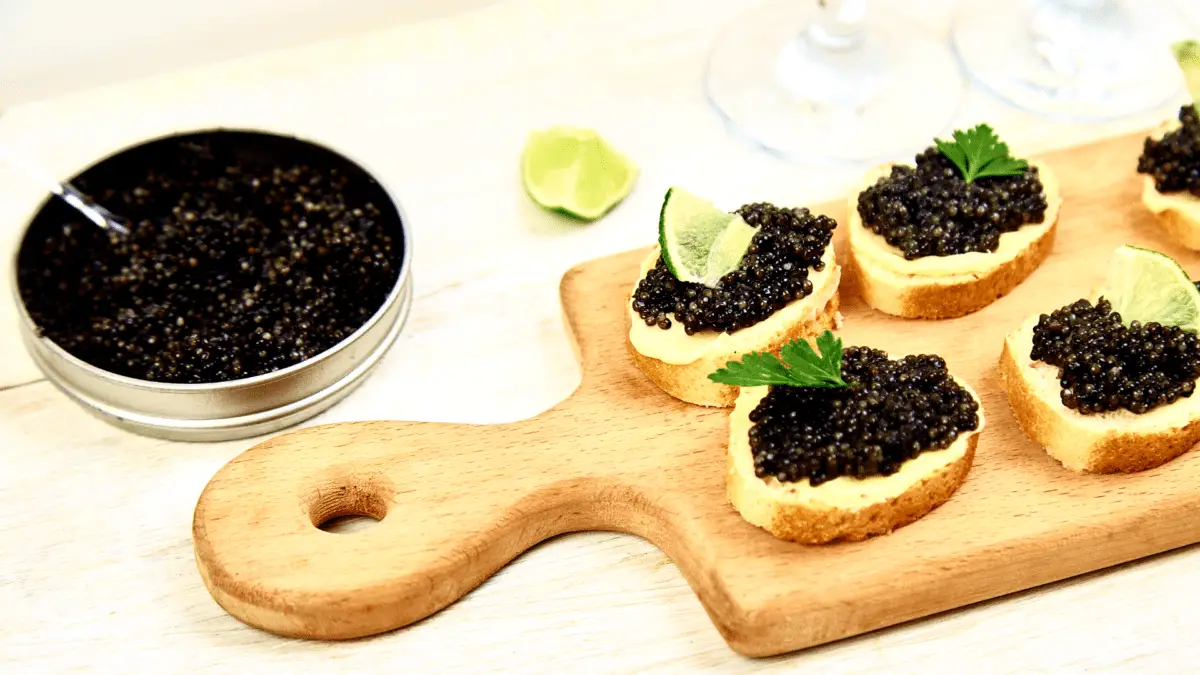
(910, 292)
(1048, 423)
(948, 297)
(1182, 227)
(842, 509)
(808, 525)
(1178, 214)
(689, 382)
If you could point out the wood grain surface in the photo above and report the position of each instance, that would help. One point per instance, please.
(457, 502)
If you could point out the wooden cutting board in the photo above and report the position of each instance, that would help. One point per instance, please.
(457, 502)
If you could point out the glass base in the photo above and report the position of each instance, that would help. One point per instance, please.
(800, 96)
(1073, 59)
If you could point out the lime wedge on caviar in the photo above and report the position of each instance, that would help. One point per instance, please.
(1187, 55)
(1148, 286)
(574, 171)
(700, 242)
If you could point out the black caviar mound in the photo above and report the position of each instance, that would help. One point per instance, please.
(773, 273)
(248, 253)
(1174, 161)
(892, 411)
(929, 210)
(1105, 365)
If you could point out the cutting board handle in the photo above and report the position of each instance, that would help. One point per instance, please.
(454, 503)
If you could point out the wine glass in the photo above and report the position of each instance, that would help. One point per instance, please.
(1072, 59)
(829, 81)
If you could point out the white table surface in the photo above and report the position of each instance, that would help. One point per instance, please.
(96, 565)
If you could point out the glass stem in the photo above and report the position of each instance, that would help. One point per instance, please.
(840, 25)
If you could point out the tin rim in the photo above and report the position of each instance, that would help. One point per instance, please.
(264, 420)
(252, 424)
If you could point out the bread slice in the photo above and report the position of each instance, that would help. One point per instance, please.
(1177, 212)
(1111, 442)
(944, 287)
(680, 363)
(845, 508)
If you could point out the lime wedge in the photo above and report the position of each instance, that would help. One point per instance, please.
(1187, 56)
(1148, 286)
(700, 242)
(574, 171)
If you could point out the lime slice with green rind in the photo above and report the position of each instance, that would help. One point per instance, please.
(1148, 286)
(700, 243)
(1187, 56)
(574, 171)
(729, 249)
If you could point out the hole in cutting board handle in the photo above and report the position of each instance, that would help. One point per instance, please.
(348, 505)
(349, 524)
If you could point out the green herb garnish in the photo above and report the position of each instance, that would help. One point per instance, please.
(800, 367)
(979, 152)
(1187, 55)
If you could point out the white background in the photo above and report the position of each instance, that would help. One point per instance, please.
(48, 47)
(51, 46)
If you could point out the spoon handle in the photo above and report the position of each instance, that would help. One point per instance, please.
(67, 192)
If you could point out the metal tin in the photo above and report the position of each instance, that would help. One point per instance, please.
(236, 408)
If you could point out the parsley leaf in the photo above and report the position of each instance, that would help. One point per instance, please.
(979, 152)
(800, 366)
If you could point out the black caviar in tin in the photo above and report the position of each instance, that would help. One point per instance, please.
(248, 253)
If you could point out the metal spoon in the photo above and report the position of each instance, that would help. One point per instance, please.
(69, 193)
